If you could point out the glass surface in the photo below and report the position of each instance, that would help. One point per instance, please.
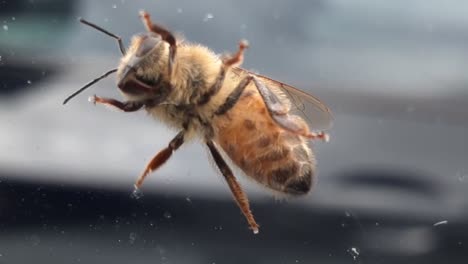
(392, 182)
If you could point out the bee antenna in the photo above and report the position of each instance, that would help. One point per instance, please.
(88, 85)
(119, 39)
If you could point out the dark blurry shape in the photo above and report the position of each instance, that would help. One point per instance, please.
(413, 183)
(39, 7)
(36, 27)
(17, 78)
(68, 220)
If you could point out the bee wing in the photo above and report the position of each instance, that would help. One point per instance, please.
(311, 109)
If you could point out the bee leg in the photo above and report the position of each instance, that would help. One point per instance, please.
(161, 157)
(236, 190)
(165, 34)
(279, 113)
(129, 106)
(320, 135)
(237, 58)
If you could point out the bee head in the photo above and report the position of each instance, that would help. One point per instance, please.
(143, 68)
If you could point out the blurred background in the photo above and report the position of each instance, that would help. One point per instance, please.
(393, 181)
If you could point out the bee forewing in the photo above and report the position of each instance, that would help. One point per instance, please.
(311, 109)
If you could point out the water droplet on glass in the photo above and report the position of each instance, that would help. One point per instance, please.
(354, 252)
(132, 237)
(179, 10)
(208, 17)
(114, 6)
(167, 215)
(243, 27)
(460, 176)
(444, 222)
(29, 81)
(13, 18)
(137, 193)
(35, 240)
(188, 199)
(5, 27)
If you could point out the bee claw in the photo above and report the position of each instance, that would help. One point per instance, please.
(325, 137)
(321, 135)
(255, 230)
(144, 14)
(243, 44)
(92, 99)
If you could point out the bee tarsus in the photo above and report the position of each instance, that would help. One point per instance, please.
(161, 157)
(239, 195)
(128, 106)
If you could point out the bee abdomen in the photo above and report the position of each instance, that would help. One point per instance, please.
(294, 176)
(276, 158)
(302, 183)
(286, 166)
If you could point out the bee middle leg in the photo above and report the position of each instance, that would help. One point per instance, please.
(129, 106)
(161, 157)
(236, 190)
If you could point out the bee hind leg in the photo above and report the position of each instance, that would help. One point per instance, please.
(280, 114)
(129, 106)
(236, 190)
(161, 158)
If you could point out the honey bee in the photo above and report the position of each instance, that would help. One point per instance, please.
(260, 124)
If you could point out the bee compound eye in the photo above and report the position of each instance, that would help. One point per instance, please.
(148, 43)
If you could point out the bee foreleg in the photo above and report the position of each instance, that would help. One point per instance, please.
(161, 157)
(129, 106)
(239, 195)
(165, 34)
